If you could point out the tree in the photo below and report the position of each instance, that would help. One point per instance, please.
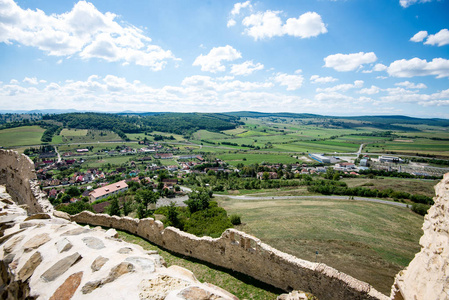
(126, 207)
(114, 208)
(198, 200)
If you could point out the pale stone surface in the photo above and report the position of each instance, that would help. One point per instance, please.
(93, 243)
(427, 276)
(295, 295)
(117, 271)
(146, 264)
(9, 245)
(159, 287)
(38, 216)
(63, 245)
(62, 215)
(76, 231)
(196, 293)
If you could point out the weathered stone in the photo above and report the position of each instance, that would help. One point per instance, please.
(60, 267)
(27, 225)
(98, 263)
(90, 286)
(8, 258)
(38, 217)
(7, 201)
(63, 245)
(196, 293)
(36, 242)
(8, 236)
(76, 231)
(12, 243)
(125, 250)
(93, 243)
(158, 288)
(61, 214)
(294, 295)
(183, 272)
(112, 233)
(221, 291)
(28, 268)
(146, 264)
(66, 290)
(117, 271)
(158, 260)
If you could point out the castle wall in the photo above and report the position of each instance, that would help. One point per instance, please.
(18, 175)
(427, 276)
(246, 254)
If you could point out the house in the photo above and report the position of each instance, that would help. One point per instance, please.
(108, 190)
(271, 175)
(344, 166)
(163, 156)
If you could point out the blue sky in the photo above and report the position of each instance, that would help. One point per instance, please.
(332, 57)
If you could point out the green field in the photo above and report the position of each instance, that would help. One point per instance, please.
(21, 136)
(253, 158)
(74, 132)
(369, 241)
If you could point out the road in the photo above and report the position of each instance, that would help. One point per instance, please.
(245, 197)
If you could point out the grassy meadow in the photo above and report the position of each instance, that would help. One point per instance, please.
(369, 241)
(21, 136)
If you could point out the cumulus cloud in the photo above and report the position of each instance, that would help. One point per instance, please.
(211, 62)
(349, 62)
(370, 91)
(407, 3)
(342, 87)
(231, 22)
(292, 82)
(438, 67)
(411, 85)
(268, 24)
(246, 68)
(83, 31)
(317, 79)
(441, 38)
(238, 6)
(32, 80)
(419, 37)
(379, 67)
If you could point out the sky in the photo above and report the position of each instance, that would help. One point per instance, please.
(328, 57)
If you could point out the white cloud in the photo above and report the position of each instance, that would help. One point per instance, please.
(14, 81)
(246, 68)
(342, 87)
(438, 67)
(32, 80)
(349, 62)
(407, 3)
(306, 26)
(370, 91)
(379, 67)
(83, 31)
(441, 38)
(211, 62)
(411, 85)
(231, 22)
(419, 37)
(317, 79)
(239, 6)
(292, 82)
(268, 24)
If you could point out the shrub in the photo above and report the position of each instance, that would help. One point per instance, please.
(420, 208)
(235, 219)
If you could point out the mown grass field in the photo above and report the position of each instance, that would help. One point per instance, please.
(252, 158)
(369, 241)
(21, 136)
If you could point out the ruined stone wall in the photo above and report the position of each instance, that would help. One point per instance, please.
(427, 276)
(17, 174)
(244, 253)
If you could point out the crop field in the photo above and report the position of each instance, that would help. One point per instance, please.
(253, 158)
(21, 136)
(89, 137)
(74, 132)
(369, 241)
(413, 186)
(421, 145)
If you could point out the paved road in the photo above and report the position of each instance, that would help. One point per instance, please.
(245, 197)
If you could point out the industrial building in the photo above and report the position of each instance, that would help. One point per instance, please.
(320, 158)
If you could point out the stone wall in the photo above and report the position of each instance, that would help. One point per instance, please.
(18, 175)
(244, 253)
(427, 276)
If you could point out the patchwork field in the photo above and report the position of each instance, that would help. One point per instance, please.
(369, 241)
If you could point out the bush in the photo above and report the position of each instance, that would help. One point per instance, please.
(235, 219)
(420, 208)
(74, 208)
